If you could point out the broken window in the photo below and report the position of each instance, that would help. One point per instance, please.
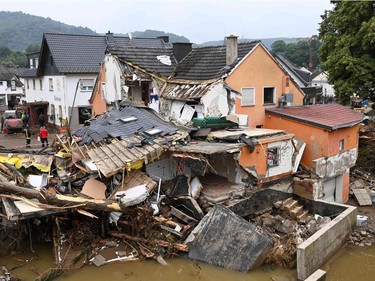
(273, 156)
(84, 113)
(268, 95)
(248, 96)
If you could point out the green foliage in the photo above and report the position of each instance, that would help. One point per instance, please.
(32, 48)
(348, 50)
(299, 52)
(19, 30)
(279, 46)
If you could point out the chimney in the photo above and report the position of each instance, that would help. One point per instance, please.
(232, 52)
(181, 50)
(109, 38)
(164, 38)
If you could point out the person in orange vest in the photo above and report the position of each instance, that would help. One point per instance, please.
(43, 134)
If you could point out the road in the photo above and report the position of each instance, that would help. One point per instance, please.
(18, 140)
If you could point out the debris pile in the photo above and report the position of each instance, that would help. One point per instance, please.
(129, 187)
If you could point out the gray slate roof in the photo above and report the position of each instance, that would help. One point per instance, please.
(7, 74)
(209, 62)
(111, 126)
(302, 75)
(149, 59)
(74, 53)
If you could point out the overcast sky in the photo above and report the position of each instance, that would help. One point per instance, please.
(198, 20)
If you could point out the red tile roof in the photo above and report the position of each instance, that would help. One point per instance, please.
(327, 116)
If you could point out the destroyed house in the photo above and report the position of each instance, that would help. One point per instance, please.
(331, 135)
(124, 139)
(68, 66)
(237, 78)
(135, 74)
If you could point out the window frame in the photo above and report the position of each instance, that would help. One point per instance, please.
(342, 145)
(13, 85)
(275, 159)
(273, 96)
(50, 84)
(253, 96)
(87, 85)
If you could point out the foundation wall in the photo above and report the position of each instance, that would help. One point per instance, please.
(316, 250)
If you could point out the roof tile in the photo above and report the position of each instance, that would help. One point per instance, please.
(327, 116)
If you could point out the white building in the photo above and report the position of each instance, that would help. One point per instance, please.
(61, 77)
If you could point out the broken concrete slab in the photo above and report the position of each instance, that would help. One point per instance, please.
(259, 201)
(362, 197)
(222, 238)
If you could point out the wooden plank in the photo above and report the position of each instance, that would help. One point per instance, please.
(182, 216)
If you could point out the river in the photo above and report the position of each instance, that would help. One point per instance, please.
(350, 263)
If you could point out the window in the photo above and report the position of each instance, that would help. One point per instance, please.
(341, 145)
(1, 83)
(27, 84)
(34, 84)
(40, 84)
(87, 84)
(31, 62)
(268, 95)
(248, 96)
(2, 100)
(50, 84)
(273, 157)
(13, 85)
(52, 115)
(36, 62)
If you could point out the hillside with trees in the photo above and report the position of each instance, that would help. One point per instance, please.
(19, 30)
(17, 38)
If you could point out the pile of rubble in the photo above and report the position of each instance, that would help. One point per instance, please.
(363, 236)
(137, 196)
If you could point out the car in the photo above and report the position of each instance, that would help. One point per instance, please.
(12, 121)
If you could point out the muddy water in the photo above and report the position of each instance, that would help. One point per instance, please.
(348, 264)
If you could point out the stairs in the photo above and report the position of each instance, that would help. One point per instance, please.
(295, 211)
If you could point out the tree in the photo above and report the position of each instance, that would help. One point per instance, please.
(279, 46)
(302, 53)
(32, 48)
(348, 49)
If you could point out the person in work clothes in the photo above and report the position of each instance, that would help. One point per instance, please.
(27, 135)
(43, 134)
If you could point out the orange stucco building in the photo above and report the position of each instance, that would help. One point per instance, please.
(331, 135)
(262, 79)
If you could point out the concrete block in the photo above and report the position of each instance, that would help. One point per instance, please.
(317, 249)
(222, 238)
(319, 275)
